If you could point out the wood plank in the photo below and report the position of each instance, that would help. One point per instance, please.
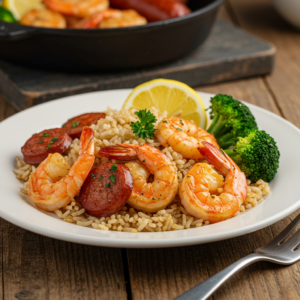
(37, 267)
(218, 59)
(167, 273)
(259, 17)
(6, 110)
(252, 90)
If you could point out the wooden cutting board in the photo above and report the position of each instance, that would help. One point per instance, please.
(229, 53)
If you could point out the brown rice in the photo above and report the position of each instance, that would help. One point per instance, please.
(115, 129)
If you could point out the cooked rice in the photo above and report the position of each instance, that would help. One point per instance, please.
(115, 129)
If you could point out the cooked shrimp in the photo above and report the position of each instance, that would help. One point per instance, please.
(203, 192)
(112, 18)
(43, 18)
(53, 185)
(147, 196)
(122, 18)
(77, 8)
(183, 136)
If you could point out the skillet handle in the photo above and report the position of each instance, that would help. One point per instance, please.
(12, 31)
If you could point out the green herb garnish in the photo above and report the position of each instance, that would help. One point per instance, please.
(64, 126)
(48, 147)
(181, 122)
(54, 139)
(40, 142)
(179, 129)
(145, 127)
(165, 121)
(112, 178)
(113, 168)
(69, 120)
(93, 175)
(101, 177)
(107, 185)
(45, 134)
(75, 124)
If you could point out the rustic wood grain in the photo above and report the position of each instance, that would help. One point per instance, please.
(6, 110)
(284, 81)
(36, 267)
(219, 59)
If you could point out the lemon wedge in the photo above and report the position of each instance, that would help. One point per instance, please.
(20, 7)
(172, 96)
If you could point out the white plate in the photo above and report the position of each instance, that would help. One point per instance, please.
(18, 209)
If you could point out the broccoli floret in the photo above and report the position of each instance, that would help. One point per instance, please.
(231, 120)
(257, 155)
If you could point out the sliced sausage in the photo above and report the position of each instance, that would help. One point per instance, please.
(37, 148)
(154, 10)
(75, 125)
(106, 190)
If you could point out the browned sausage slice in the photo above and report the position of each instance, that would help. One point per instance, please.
(154, 10)
(75, 125)
(106, 190)
(37, 148)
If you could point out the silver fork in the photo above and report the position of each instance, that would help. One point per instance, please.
(276, 251)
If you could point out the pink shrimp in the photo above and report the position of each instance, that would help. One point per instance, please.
(54, 184)
(203, 192)
(147, 196)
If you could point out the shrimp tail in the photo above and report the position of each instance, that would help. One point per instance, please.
(131, 146)
(233, 164)
(215, 157)
(86, 143)
(120, 152)
(227, 167)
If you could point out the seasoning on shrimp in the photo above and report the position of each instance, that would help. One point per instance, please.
(199, 188)
(77, 8)
(147, 196)
(122, 18)
(183, 136)
(44, 18)
(53, 184)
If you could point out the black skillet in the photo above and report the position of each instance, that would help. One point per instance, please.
(108, 49)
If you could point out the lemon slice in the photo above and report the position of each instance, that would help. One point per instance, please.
(171, 96)
(20, 7)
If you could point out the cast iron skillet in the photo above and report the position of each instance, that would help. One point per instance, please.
(108, 49)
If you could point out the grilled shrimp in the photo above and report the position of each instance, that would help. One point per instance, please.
(122, 18)
(77, 8)
(146, 196)
(183, 136)
(203, 192)
(43, 18)
(112, 18)
(54, 184)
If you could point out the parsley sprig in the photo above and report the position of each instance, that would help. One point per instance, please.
(145, 127)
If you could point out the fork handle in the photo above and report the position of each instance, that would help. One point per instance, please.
(203, 290)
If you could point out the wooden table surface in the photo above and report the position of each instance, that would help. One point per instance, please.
(37, 267)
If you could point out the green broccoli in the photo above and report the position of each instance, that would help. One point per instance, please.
(257, 155)
(6, 16)
(231, 120)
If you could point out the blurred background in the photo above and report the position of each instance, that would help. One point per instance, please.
(207, 42)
